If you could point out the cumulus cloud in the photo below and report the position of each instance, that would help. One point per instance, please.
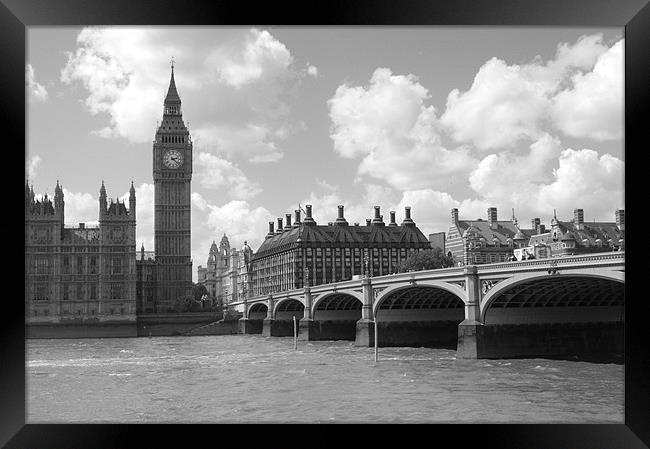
(80, 207)
(534, 187)
(237, 85)
(37, 92)
(216, 173)
(31, 165)
(593, 107)
(144, 214)
(585, 180)
(262, 54)
(255, 141)
(312, 70)
(509, 103)
(237, 219)
(396, 134)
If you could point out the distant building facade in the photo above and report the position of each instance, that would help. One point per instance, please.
(579, 237)
(226, 274)
(484, 241)
(332, 252)
(79, 274)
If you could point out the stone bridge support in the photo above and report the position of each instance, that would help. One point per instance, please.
(366, 325)
(470, 330)
(244, 324)
(307, 326)
(267, 326)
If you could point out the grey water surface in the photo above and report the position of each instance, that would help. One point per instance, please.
(250, 378)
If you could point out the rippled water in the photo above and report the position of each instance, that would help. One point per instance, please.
(250, 378)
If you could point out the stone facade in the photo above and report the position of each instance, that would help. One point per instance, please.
(172, 176)
(333, 252)
(484, 241)
(79, 274)
(165, 275)
(575, 237)
(226, 274)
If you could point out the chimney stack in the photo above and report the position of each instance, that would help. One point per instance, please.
(535, 223)
(454, 216)
(341, 219)
(377, 220)
(407, 220)
(308, 219)
(620, 219)
(279, 231)
(392, 219)
(271, 232)
(492, 217)
(367, 221)
(578, 219)
(296, 222)
(288, 226)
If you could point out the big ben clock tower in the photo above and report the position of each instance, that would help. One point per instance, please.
(172, 176)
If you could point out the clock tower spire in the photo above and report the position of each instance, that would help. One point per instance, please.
(172, 175)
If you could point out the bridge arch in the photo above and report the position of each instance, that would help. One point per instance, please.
(287, 308)
(257, 311)
(327, 298)
(452, 290)
(422, 314)
(599, 282)
(335, 315)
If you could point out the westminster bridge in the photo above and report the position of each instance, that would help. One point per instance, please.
(541, 307)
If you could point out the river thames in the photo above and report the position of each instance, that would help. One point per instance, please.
(250, 378)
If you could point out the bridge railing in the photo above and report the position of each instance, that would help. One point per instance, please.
(613, 257)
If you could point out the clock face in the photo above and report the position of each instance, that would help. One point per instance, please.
(173, 159)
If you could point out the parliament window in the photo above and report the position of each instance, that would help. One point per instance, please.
(117, 265)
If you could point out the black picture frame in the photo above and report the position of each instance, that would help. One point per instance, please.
(634, 15)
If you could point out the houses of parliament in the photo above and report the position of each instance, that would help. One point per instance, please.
(91, 281)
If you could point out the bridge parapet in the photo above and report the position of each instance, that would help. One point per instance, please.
(456, 275)
(595, 259)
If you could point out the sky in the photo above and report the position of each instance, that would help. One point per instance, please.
(428, 117)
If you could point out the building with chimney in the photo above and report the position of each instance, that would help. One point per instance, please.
(79, 281)
(580, 237)
(484, 241)
(333, 252)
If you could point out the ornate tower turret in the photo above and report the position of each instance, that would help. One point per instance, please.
(103, 205)
(59, 204)
(132, 201)
(28, 197)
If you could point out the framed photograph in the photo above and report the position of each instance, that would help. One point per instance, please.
(366, 214)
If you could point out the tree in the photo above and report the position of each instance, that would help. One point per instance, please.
(187, 304)
(428, 259)
(198, 290)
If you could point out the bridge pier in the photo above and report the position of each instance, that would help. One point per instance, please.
(471, 331)
(365, 333)
(267, 324)
(307, 328)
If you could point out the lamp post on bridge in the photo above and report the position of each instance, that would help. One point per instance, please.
(366, 325)
(307, 328)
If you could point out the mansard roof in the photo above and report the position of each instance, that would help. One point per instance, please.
(505, 230)
(334, 236)
(591, 232)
